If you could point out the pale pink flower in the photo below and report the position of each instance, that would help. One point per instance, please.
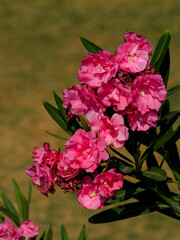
(97, 69)
(140, 40)
(112, 131)
(142, 122)
(85, 151)
(28, 229)
(45, 154)
(88, 195)
(79, 100)
(130, 58)
(8, 231)
(115, 94)
(109, 182)
(42, 176)
(148, 92)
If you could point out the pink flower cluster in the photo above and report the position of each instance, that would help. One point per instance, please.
(113, 87)
(26, 230)
(122, 82)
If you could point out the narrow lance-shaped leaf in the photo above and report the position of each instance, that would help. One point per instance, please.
(156, 174)
(18, 198)
(164, 67)
(91, 47)
(161, 47)
(172, 90)
(9, 206)
(63, 233)
(56, 136)
(126, 211)
(49, 233)
(55, 114)
(9, 214)
(82, 235)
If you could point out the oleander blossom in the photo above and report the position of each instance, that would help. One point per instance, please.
(109, 182)
(85, 151)
(28, 229)
(79, 100)
(115, 94)
(142, 122)
(88, 195)
(8, 231)
(138, 39)
(42, 176)
(45, 154)
(111, 130)
(148, 92)
(97, 69)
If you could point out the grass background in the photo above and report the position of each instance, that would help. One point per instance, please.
(40, 51)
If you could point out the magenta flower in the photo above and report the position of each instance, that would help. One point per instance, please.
(132, 37)
(97, 69)
(109, 182)
(8, 231)
(84, 150)
(115, 94)
(112, 131)
(64, 170)
(130, 58)
(45, 154)
(28, 229)
(142, 122)
(79, 100)
(88, 195)
(42, 176)
(148, 93)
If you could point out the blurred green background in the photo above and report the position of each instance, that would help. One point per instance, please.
(40, 51)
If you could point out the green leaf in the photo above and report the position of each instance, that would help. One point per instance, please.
(155, 173)
(55, 114)
(9, 205)
(91, 47)
(121, 155)
(172, 90)
(42, 236)
(63, 233)
(164, 67)
(129, 190)
(126, 211)
(82, 235)
(49, 233)
(126, 168)
(83, 123)
(161, 47)
(9, 214)
(21, 202)
(62, 110)
(176, 208)
(18, 198)
(64, 139)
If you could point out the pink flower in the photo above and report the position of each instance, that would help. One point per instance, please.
(140, 40)
(130, 58)
(115, 94)
(28, 229)
(84, 150)
(79, 100)
(88, 195)
(42, 176)
(45, 154)
(65, 171)
(112, 131)
(142, 122)
(109, 182)
(97, 69)
(148, 93)
(8, 231)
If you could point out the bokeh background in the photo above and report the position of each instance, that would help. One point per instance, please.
(40, 51)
